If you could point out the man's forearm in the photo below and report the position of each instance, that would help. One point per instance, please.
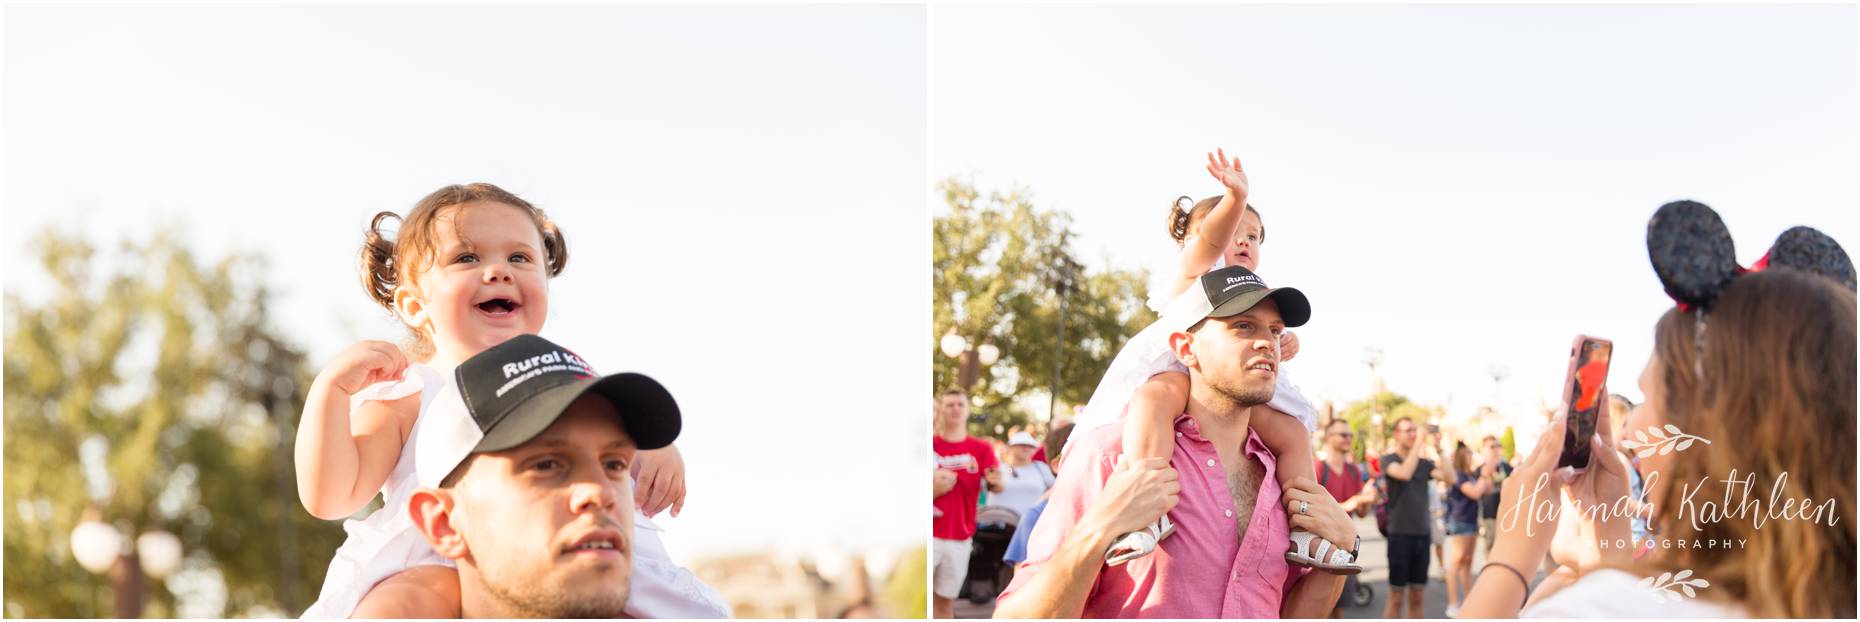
(1312, 596)
(1063, 582)
(1405, 469)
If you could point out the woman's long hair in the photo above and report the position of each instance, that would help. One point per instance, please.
(1771, 385)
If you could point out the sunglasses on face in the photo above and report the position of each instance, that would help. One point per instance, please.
(1344, 434)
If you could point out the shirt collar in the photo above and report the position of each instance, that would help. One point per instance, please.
(1187, 426)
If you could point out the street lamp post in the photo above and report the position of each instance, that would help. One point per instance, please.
(1498, 373)
(1064, 278)
(103, 549)
(969, 360)
(1372, 357)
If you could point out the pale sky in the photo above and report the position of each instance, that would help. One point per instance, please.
(741, 190)
(1457, 185)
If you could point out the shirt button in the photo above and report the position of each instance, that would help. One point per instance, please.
(1178, 434)
(1210, 462)
(1230, 513)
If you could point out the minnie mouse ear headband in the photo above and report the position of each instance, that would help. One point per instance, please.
(1693, 255)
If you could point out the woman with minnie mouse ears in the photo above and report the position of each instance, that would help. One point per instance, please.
(1757, 365)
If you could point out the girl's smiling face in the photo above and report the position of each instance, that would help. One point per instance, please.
(487, 282)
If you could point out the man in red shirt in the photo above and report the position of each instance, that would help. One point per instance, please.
(1341, 477)
(963, 466)
(1344, 481)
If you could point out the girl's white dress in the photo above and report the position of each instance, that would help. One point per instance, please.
(386, 541)
(1148, 354)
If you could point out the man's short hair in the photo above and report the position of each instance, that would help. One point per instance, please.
(1334, 422)
(1623, 399)
(1488, 439)
(953, 391)
(1396, 422)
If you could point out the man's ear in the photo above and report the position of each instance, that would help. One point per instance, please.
(410, 307)
(1179, 344)
(434, 514)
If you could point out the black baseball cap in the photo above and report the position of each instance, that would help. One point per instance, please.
(517, 388)
(506, 395)
(1231, 291)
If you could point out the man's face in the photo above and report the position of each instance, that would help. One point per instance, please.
(1236, 355)
(1339, 437)
(1404, 434)
(548, 526)
(954, 411)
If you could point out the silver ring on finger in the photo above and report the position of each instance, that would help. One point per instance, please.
(1304, 507)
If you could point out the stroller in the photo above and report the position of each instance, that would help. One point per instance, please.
(988, 574)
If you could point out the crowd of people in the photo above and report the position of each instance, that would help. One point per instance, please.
(1218, 506)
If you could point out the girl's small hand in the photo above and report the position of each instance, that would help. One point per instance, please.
(363, 364)
(1288, 346)
(661, 476)
(1228, 173)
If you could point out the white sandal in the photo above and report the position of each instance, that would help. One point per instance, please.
(1335, 560)
(1140, 542)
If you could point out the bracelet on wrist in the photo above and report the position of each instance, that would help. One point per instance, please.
(1514, 571)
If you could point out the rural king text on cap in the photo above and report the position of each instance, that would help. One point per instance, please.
(533, 366)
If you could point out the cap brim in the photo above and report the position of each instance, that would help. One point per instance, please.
(646, 409)
(1294, 308)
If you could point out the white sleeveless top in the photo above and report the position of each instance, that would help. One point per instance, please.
(1148, 354)
(387, 542)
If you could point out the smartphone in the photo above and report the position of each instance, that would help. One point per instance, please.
(1582, 390)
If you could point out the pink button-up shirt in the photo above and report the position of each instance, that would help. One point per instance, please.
(1204, 570)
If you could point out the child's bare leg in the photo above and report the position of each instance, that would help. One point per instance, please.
(1149, 432)
(418, 592)
(1149, 426)
(1290, 442)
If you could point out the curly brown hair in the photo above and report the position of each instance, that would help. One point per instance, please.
(1184, 222)
(393, 259)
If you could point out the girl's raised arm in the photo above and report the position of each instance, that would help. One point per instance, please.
(1218, 227)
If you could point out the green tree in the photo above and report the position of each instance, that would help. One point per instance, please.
(1391, 405)
(170, 366)
(998, 264)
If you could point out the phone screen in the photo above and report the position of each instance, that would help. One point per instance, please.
(1588, 372)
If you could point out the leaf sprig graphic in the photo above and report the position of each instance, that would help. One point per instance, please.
(1662, 587)
(1654, 439)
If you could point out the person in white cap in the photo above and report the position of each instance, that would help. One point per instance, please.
(1023, 480)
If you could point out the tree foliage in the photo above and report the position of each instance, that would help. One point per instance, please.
(1391, 405)
(996, 261)
(169, 364)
